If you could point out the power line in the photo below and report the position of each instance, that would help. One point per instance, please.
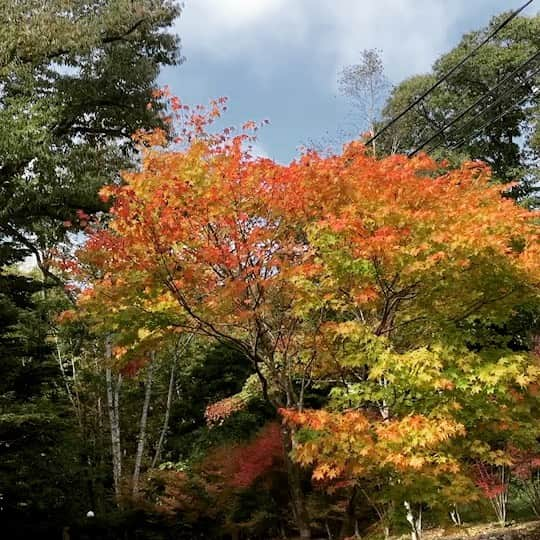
(490, 122)
(450, 72)
(496, 102)
(474, 104)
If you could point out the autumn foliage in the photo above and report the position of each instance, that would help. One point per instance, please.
(380, 275)
(349, 444)
(217, 412)
(240, 465)
(277, 259)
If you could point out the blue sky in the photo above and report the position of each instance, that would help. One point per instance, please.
(279, 59)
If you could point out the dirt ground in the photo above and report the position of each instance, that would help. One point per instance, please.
(490, 531)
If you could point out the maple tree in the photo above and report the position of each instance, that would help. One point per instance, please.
(525, 469)
(380, 272)
(214, 487)
(240, 465)
(494, 482)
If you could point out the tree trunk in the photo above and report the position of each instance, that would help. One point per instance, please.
(113, 401)
(165, 426)
(414, 521)
(328, 531)
(347, 526)
(295, 485)
(142, 429)
(455, 516)
(73, 398)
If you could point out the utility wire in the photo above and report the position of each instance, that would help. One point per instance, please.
(496, 102)
(473, 105)
(490, 122)
(448, 73)
(479, 100)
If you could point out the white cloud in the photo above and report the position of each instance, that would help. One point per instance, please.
(234, 13)
(411, 33)
(228, 28)
(261, 33)
(279, 59)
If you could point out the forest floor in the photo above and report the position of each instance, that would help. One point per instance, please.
(529, 530)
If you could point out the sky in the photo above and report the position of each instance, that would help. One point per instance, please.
(280, 59)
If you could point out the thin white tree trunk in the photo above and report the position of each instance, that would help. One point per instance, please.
(499, 502)
(178, 352)
(414, 521)
(142, 429)
(384, 409)
(73, 396)
(165, 426)
(455, 516)
(113, 402)
(328, 531)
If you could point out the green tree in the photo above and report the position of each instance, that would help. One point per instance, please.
(75, 80)
(505, 135)
(40, 476)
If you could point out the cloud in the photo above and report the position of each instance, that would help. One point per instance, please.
(280, 59)
(258, 150)
(225, 29)
(261, 33)
(234, 14)
(411, 33)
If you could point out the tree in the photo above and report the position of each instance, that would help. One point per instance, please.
(74, 84)
(75, 79)
(505, 130)
(249, 312)
(366, 85)
(348, 266)
(37, 431)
